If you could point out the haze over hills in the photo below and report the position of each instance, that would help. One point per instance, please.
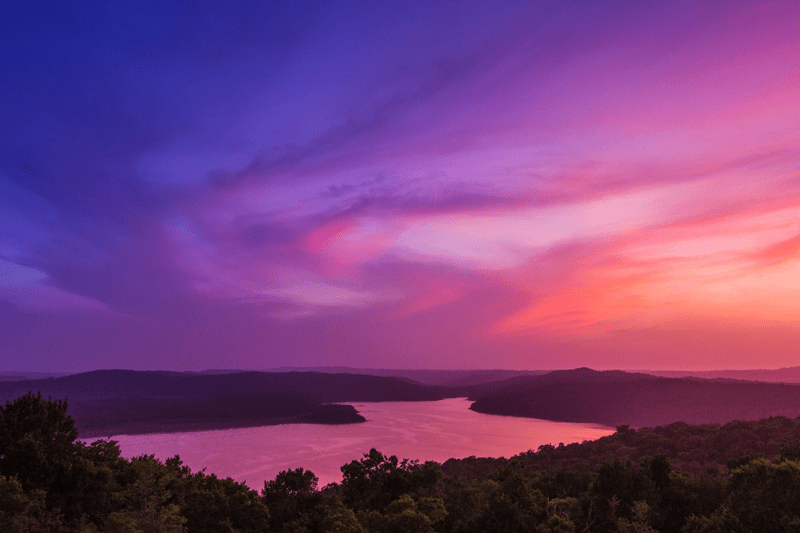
(777, 375)
(455, 378)
(11, 375)
(442, 377)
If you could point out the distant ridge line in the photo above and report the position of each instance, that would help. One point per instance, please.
(778, 375)
(457, 377)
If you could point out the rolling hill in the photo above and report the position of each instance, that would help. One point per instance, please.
(617, 398)
(103, 402)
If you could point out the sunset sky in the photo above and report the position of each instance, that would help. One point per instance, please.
(522, 185)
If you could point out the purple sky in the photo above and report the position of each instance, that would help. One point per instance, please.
(400, 184)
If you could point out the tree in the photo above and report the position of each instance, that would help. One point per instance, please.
(93, 482)
(513, 504)
(146, 500)
(21, 512)
(337, 518)
(378, 480)
(406, 514)
(212, 505)
(37, 442)
(765, 496)
(291, 494)
(290, 482)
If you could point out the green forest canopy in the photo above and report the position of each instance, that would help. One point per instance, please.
(743, 476)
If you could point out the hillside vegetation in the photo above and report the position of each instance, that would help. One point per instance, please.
(616, 398)
(744, 477)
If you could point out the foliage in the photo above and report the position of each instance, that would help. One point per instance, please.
(292, 494)
(22, 511)
(50, 481)
(377, 480)
(629, 482)
(37, 442)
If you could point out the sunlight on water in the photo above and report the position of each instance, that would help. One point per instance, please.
(416, 430)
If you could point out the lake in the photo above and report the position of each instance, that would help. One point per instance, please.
(428, 431)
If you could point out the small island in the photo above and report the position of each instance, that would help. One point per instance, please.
(322, 414)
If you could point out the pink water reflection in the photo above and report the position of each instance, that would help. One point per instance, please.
(416, 430)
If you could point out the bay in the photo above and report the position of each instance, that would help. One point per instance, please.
(434, 431)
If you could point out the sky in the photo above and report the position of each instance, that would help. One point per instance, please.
(519, 185)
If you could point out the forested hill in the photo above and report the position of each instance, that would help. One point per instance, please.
(314, 385)
(104, 402)
(693, 449)
(617, 398)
